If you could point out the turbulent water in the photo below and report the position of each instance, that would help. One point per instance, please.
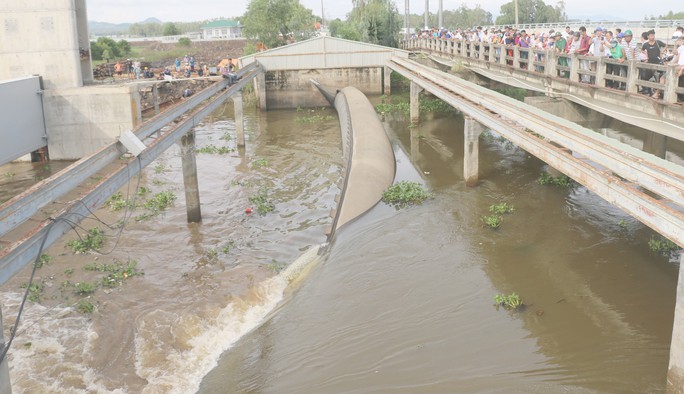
(402, 301)
(204, 286)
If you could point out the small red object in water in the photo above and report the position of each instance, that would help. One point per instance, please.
(248, 210)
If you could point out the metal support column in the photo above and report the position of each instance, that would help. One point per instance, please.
(387, 81)
(675, 372)
(440, 18)
(415, 102)
(471, 133)
(239, 119)
(5, 386)
(192, 199)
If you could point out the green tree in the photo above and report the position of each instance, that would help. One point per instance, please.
(531, 11)
(670, 16)
(170, 29)
(184, 41)
(124, 48)
(377, 21)
(274, 21)
(343, 29)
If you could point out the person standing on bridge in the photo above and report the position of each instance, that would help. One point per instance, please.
(559, 47)
(583, 49)
(653, 49)
(524, 42)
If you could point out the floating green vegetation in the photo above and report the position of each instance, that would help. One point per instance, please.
(259, 163)
(276, 266)
(623, 223)
(118, 272)
(157, 204)
(547, 179)
(85, 307)
(143, 191)
(117, 202)
(227, 247)
(35, 291)
(263, 202)
(492, 221)
(68, 272)
(84, 288)
(215, 150)
(501, 208)
(211, 253)
(405, 193)
(663, 246)
(509, 302)
(225, 137)
(403, 106)
(9, 175)
(387, 107)
(159, 168)
(93, 241)
(43, 260)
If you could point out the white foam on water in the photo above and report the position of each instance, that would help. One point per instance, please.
(48, 353)
(198, 342)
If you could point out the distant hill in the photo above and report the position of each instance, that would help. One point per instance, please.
(103, 28)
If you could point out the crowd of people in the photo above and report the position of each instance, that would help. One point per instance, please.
(182, 68)
(615, 44)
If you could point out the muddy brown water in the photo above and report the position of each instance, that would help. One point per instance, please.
(403, 302)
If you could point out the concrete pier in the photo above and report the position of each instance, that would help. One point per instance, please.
(192, 199)
(387, 81)
(155, 93)
(415, 102)
(260, 90)
(655, 144)
(239, 120)
(471, 144)
(5, 386)
(675, 373)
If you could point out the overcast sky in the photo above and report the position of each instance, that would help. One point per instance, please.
(119, 11)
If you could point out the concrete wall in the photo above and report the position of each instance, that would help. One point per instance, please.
(170, 91)
(82, 120)
(292, 88)
(45, 37)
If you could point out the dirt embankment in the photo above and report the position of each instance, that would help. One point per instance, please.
(205, 52)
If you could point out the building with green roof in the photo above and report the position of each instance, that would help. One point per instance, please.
(222, 28)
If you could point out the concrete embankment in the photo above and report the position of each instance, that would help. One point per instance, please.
(368, 155)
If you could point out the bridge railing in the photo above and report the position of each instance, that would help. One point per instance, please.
(630, 76)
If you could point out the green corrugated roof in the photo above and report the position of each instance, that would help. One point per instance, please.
(221, 23)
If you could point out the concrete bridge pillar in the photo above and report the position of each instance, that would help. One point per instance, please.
(155, 97)
(5, 386)
(239, 119)
(192, 199)
(471, 133)
(415, 102)
(655, 144)
(260, 90)
(387, 81)
(675, 373)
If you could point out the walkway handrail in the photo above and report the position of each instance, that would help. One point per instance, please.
(546, 62)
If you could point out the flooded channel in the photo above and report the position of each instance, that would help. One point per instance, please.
(403, 302)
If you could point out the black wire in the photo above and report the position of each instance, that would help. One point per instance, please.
(13, 334)
(74, 226)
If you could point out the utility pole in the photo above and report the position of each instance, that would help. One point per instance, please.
(427, 13)
(516, 13)
(322, 15)
(440, 19)
(407, 21)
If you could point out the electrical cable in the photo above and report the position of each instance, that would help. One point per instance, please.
(74, 226)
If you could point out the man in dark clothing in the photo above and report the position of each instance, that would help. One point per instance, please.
(652, 48)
